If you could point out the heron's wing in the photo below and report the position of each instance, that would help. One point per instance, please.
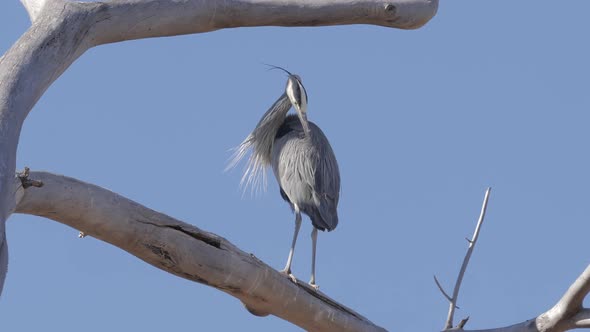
(307, 172)
(290, 163)
(326, 186)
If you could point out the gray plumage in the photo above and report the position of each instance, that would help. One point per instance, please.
(307, 172)
(302, 161)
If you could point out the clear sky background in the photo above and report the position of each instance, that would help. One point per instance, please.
(489, 93)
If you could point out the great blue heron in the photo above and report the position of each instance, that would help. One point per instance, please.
(302, 161)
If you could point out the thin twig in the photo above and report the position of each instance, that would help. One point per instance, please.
(453, 302)
(463, 322)
(442, 290)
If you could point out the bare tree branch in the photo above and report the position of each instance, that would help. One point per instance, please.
(186, 251)
(571, 302)
(472, 242)
(132, 19)
(568, 313)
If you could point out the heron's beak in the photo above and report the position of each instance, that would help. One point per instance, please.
(303, 118)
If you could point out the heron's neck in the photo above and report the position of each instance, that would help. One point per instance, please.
(267, 127)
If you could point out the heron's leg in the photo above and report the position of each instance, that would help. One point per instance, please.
(314, 240)
(287, 269)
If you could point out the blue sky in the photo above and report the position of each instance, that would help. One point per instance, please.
(487, 94)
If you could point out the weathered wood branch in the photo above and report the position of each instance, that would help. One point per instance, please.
(132, 19)
(472, 242)
(186, 251)
(568, 313)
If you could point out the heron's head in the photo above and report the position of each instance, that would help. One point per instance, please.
(298, 97)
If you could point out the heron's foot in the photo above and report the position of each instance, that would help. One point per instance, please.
(314, 286)
(290, 275)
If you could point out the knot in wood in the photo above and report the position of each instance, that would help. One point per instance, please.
(26, 182)
(390, 8)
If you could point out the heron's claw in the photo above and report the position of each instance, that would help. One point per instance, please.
(289, 275)
(314, 286)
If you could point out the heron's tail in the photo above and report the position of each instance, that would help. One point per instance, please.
(326, 217)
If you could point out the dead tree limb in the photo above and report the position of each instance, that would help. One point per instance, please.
(186, 251)
(472, 242)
